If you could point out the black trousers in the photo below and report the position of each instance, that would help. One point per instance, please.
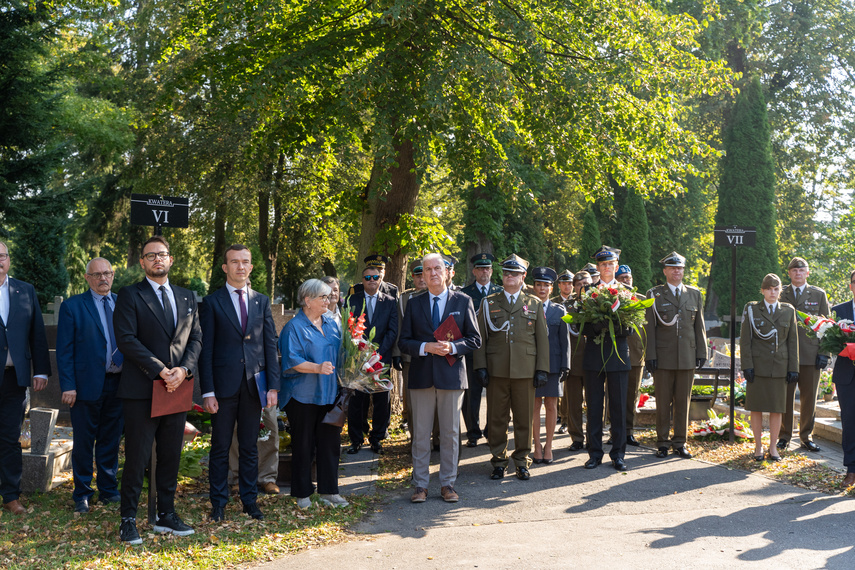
(98, 426)
(141, 430)
(357, 412)
(596, 384)
(244, 408)
(12, 399)
(312, 439)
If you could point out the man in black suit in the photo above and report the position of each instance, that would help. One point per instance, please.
(89, 365)
(436, 387)
(24, 349)
(843, 376)
(482, 286)
(381, 316)
(157, 331)
(238, 346)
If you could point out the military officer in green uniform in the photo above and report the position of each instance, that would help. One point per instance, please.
(482, 269)
(813, 301)
(574, 383)
(402, 361)
(512, 361)
(379, 262)
(769, 354)
(636, 359)
(676, 346)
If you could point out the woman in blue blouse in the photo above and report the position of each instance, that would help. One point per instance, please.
(310, 345)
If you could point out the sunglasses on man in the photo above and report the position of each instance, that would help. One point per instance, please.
(371, 277)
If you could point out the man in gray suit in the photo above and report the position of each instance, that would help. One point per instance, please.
(24, 349)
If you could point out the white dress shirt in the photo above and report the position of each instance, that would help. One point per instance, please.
(169, 293)
(443, 299)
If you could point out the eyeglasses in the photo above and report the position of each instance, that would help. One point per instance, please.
(326, 298)
(4, 256)
(371, 277)
(101, 274)
(158, 255)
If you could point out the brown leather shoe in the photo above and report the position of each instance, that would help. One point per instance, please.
(848, 481)
(15, 507)
(448, 494)
(270, 488)
(419, 495)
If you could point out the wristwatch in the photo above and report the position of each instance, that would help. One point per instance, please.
(187, 374)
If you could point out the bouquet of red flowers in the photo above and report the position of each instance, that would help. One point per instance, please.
(613, 308)
(361, 369)
(835, 337)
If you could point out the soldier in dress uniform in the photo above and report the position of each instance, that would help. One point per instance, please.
(574, 382)
(813, 301)
(564, 297)
(676, 346)
(606, 367)
(378, 261)
(512, 361)
(450, 262)
(402, 361)
(480, 288)
(592, 271)
(769, 354)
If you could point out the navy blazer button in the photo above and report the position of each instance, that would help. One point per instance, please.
(242, 360)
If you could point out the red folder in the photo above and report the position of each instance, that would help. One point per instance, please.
(164, 403)
(448, 332)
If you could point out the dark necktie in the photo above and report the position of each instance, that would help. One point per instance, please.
(116, 356)
(798, 293)
(167, 311)
(240, 293)
(483, 291)
(434, 314)
(513, 301)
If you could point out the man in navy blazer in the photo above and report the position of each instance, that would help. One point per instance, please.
(89, 365)
(157, 331)
(843, 376)
(24, 350)
(381, 315)
(437, 387)
(238, 344)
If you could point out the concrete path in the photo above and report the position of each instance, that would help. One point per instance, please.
(663, 513)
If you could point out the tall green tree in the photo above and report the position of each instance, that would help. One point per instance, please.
(746, 198)
(635, 240)
(590, 240)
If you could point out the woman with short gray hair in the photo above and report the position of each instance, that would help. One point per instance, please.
(310, 345)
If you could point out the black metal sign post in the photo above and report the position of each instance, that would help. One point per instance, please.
(733, 237)
(158, 210)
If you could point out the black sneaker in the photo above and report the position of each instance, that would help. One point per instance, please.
(128, 532)
(171, 523)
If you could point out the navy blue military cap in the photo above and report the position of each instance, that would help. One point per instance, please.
(606, 253)
(483, 259)
(545, 274)
(565, 275)
(376, 260)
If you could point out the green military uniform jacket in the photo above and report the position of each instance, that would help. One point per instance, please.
(402, 306)
(676, 333)
(515, 340)
(770, 346)
(812, 301)
(638, 342)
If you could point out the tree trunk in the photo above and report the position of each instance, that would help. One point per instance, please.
(482, 242)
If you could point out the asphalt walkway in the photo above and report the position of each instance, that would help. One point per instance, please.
(662, 513)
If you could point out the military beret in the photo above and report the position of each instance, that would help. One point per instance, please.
(623, 270)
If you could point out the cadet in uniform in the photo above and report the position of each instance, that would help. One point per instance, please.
(676, 345)
(769, 354)
(564, 297)
(606, 366)
(813, 301)
(480, 288)
(636, 360)
(512, 361)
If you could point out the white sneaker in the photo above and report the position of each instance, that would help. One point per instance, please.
(334, 500)
(304, 503)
